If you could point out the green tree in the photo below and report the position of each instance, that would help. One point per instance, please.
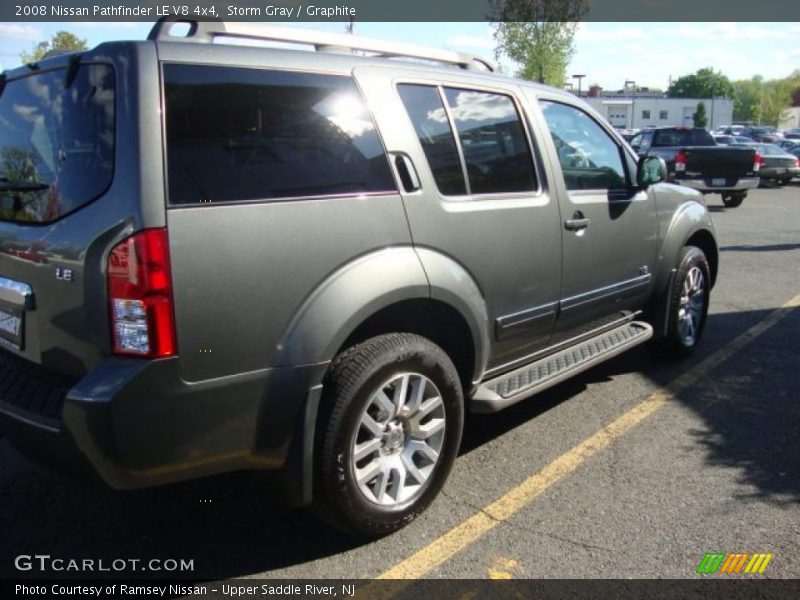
(703, 84)
(700, 118)
(763, 101)
(746, 97)
(537, 35)
(61, 41)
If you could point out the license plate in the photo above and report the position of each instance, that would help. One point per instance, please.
(718, 182)
(11, 328)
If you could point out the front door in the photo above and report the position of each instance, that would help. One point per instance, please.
(609, 227)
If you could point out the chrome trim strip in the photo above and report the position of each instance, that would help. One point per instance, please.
(13, 414)
(529, 314)
(16, 292)
(489, 373)
(603, 292)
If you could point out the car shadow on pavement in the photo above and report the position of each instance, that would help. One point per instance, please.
(229, 525)
(748, 404)
(232, 526)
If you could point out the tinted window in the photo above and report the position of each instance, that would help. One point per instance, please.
(590, 158)
(424, 106)
(56, 142)
(493, 142)
(683, 137)
(250, 134)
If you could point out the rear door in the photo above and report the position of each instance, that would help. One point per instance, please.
(483, 198)
(609, 241)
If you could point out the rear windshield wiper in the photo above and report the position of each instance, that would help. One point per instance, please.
(21, 186)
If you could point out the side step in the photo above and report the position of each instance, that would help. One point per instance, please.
(505, 390)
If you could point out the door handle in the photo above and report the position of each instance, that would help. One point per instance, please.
(407, 172)
(577, 223)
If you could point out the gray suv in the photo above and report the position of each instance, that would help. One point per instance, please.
(218, 257)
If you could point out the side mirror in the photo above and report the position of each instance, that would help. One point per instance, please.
(650, 170)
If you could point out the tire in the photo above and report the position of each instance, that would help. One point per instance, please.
(733, 200)
(686, 291)
(785, 181)
(374, 472)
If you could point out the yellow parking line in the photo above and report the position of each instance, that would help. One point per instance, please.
(452, 542)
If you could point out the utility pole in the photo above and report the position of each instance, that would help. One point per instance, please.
(348, 29)
(633, 101)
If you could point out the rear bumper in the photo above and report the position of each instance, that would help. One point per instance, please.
(704, 185)
(779, 172)
(137, 424)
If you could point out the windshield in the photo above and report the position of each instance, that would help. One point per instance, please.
(683, 137)
(56, 142)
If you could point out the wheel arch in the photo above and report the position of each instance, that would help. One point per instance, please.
(391, 288)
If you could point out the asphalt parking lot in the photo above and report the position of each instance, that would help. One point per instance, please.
(626, 471)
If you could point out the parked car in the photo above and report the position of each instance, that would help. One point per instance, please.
(763, 134)
(792, 134)
(317, 262)
(741, 139)
(694, 160)
(724, 140)
(788, 144)
(777, 164)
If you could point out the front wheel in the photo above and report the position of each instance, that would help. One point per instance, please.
(388, 433)
(687, 304)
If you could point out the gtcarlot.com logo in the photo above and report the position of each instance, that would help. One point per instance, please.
(47, 563)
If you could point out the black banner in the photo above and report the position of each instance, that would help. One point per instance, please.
(399, 11)
(731, 588)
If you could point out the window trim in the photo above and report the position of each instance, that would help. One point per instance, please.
(339, 196)
(624, 150)
(522, 115)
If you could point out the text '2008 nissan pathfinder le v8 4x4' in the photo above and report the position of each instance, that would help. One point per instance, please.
(217, 257)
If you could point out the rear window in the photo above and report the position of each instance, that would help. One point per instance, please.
(237, 134)
(683, 137)
(56, 142)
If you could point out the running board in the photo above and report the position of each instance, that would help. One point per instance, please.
(505, 390)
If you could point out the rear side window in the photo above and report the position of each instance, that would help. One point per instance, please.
(426, 109)
(683, 137)
(491, 147)
(56, 142)
(237, 134)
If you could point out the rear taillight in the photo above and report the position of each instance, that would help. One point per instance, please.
(757, 162)
(140, 296)
(797, 163)
(680, 161)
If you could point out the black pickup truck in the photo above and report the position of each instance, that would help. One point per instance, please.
(695, 160)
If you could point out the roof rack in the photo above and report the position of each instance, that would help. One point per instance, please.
(322, 41)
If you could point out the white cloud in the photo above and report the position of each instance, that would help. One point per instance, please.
(26, 32)
(731, 31)
(585, 32)
(106, 25)
(471, 41)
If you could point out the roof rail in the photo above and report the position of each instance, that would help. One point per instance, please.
(322, 41)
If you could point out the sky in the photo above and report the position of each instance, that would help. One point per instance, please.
(607, 53)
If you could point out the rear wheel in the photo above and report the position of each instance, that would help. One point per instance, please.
(786, 181)
(388, 433)
(687, 304)
(734, 199)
